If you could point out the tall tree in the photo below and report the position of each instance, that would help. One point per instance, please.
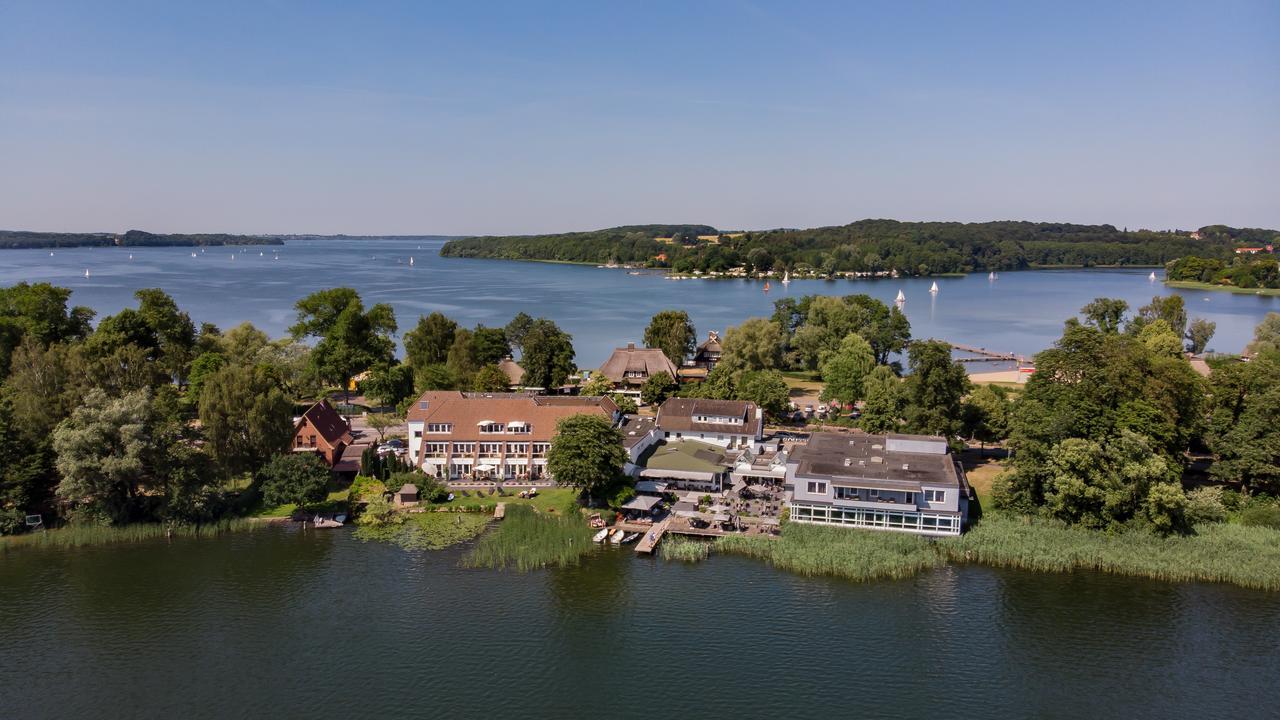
(671, 332)
(1199, 333)
(429, 341)
(547, 357)
(882, 409)
(490, 378)
(986, 414)
(245, 417)
(174, 332)
(1106, 314)
(298, 478)
(1169, 308)
(658, 388)
(388, 385)
(586, 453)
(517, 328)
(107, 454)
(38, 311)
(351, 339)
(756, 344)
(766, 388)
(935, 389)
(490, 345)
(844, 370)
(1266, 336)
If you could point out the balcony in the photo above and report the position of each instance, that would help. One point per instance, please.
(887, 502)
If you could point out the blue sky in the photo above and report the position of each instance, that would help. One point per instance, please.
(523, 117)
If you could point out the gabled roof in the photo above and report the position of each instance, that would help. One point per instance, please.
(327, 422)
(465, 411)
(678, 414)
(650, 361)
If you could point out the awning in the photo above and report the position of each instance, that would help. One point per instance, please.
(486, 468)
(487, 422)
(720, 518)
(651, 486)
(643, 503)
(691, 514)
(516, 424)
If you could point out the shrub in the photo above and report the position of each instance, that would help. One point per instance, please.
(1261, 515)
(1204, 505)
(298, 478)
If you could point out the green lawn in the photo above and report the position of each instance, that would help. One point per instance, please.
(547, 500)
(1188, 285)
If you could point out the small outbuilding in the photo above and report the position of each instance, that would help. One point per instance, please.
(407, 495)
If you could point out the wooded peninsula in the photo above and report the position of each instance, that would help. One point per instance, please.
(866, 247)
(16, 239)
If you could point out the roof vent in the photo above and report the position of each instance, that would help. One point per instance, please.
(422, 405)
(906, 466)
(848, 462)
(877, 446)
(877, 459)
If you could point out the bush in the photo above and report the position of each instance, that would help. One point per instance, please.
(366, 488)
(430, 490)
(1261, 515)
(298, 478)
(1204, 505)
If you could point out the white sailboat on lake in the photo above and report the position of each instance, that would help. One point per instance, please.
(901, 298)
(934, 290)
(1152, 276)
(410, 261)
(786, 278)
(991, 275)
(86, 272)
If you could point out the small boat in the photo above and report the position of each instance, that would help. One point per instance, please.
(934, 289)
(51, 253)
(901, 297)
(634, 272)
(766, 286)
(630, 538)
(259, 254)
(1152, 276)
(616, 537)
(130, 257)
(321, 522)
(600, 536)
(86, 272)
(991, 275)
(340, 518)
(410, 261)
(786, 278)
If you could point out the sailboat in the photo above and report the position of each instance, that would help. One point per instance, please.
(991, 275)
(901, 297)
(786, 278)
(130, 257)
(1152, 276)
(410, 261)
(934, 289)
(766, 286)
(86, 272)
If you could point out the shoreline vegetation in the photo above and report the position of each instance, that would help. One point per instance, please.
(862, 248)
(77, 536)
(1248, 557)
(21, 239)
(1196, 285)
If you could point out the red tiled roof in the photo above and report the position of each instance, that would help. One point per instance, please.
(327, 422)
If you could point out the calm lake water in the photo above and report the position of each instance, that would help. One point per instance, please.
(289, 623)
(1020, 312)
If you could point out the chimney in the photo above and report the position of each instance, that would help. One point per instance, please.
(631, 346)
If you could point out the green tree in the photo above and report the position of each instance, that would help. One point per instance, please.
(245, 417)
(756, 344)
(586, 453)
(244, 343)
(435, 377)
(846, 368)
(107, 454)
(597, 384)
(673, 333)
(882, 409)
(490, 345)
(1242, 428)
(547, 355)
(657, 388)
(766, 388)
(1106, 314)
(986, 414)
(429, 341)
(174, 332)
(351, 340)
(1105, 484)
(935, 389)
(201, 368)
(1160, 339)
(517, 329)
(298, 478)
(38, 311)
(490, 378)
(1266, 336)
(1169, 308)
(381, 422)
(626, 404)
(388, 385)
(1199, 333)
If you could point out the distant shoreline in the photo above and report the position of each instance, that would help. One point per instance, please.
(24, 240)
(1192, 285)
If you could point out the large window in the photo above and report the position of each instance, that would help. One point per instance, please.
(435, 449)
(517, 448)
(439, 427)
(540, 449)
(935, 496)
(818, 488)
(464, 448)
(493, 428)
(904, 521)
(490, 449)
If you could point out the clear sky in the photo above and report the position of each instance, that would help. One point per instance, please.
(475, 117)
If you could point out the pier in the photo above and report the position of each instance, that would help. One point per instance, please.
(985, 355)
(650, 539)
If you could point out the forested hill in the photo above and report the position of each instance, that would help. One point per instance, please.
(915, 248)
(132, 238)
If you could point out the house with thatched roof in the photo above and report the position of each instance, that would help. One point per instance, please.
(628, 368)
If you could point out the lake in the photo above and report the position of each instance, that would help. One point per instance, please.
(1020, 312)
(289, 623)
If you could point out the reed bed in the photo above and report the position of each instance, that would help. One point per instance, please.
(73, 536)
(527, 540)
(684, 549)
(425, 531)
(841, 552)
(1229, 553)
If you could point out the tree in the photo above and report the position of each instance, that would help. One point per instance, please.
(1169, 308)
(1101, 484)
(351, 339)
(766, 388)
(201, 368)
(1106, 314)
(626, 404)
(934, 389)
(174, 332)
(517, 329)
(490, 345)
(986, 414)
(44, 386)
(38, 311)
(107, 453)
(243, 343)
(844, 370)
(756, 344)
(547, 355)
(388, 385)
(435, 377)
(297, 478)
(1160, 339)
(429, 341)
(381, 422)
(885, 327)
(597, 384)
(882, 409)
(1242, 428)
(490, 378)
(1266, 336)
(1199, 333)
(245, 417)
(673, 333)
(586, 453)
(658, 387)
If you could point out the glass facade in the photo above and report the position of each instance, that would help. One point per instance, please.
(905, 521)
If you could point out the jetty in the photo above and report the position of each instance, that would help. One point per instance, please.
(985, 355)
(499, 511)
(650, 539)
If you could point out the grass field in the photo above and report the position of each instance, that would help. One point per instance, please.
(527, 540)
(1188, 285)
(548, 500)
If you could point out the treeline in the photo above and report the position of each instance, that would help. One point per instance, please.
(134, 238)
(1241, 271)
(866, 246)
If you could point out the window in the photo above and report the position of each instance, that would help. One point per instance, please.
(417, 433)
(518, 428)
(493, 428)
(299, 441)
(935, 496)
(847, 493)
(518, 448)
(818, 488)
(313, 441)
(873, 494)
(464, 448)
(435, 449)
(439, 427)
(490, 449)
(540, 449)
(911, 498)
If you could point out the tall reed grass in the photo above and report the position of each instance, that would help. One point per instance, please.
(1245, 556)
(85, 535)
(526, 540)
(425, 531)
(684, 549)
(841, 552)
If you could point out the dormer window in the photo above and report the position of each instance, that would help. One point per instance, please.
(491, 427)
(518, 426)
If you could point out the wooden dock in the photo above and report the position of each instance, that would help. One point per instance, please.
(499, 511)
(985, 355)
(650, 539)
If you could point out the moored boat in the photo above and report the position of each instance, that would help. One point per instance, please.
(616, 537)
(600, 536)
